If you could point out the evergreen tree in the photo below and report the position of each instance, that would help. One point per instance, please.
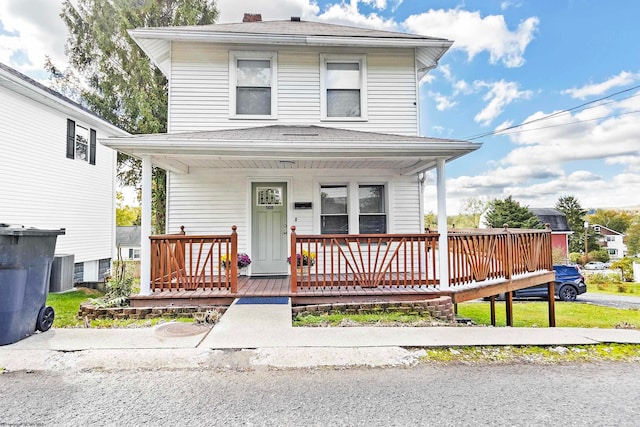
(510, 212)
(116, 79)
(570, 206)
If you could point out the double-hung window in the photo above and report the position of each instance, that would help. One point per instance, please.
(367, 214)
(252, 91)
(334, 209)
(343, 83)
(373, 217)
(81, 142)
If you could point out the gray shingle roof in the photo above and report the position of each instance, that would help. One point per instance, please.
(288, 133)
(556, 219)
(302, 28)
(128, 236)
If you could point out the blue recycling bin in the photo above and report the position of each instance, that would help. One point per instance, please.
(26, 255)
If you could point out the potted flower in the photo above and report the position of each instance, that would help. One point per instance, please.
(243, 262)
(304, 260)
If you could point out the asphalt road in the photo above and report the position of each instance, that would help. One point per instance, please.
(512, 395)
(617, 301)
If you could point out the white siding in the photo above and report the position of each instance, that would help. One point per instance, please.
(42, 188)
(209, 201)
(199, 97)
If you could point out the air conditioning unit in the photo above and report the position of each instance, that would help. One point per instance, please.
(61, 273)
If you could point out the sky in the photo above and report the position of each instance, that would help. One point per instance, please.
(559, 80)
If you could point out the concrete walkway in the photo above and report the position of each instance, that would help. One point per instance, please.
(251, 335)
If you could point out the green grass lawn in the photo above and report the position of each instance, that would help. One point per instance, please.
(568, 314)
(624, 288)
(66, 306)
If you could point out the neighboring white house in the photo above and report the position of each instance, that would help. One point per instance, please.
(611, 240)
(54, 175)
(128, 242)
(281, 123)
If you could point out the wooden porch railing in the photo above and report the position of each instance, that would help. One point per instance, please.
(362, 260)
(476, 255)
(410, 260)
(186, 262)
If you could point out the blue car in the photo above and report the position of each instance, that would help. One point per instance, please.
(569, 284)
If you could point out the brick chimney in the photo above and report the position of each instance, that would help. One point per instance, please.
(252, 17)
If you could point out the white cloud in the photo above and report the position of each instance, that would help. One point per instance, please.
(622, 79)
(348, 14)
(35, 30)
(474, 34)
(580, 136)
(504, 125)
(534, 173)
(442, 102)
(499, 95)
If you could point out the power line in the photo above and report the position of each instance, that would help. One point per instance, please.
(575, 122)
(557, 113)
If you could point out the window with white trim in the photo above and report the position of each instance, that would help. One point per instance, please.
(367, 214)
(343, 86)
(373, 216)
(252, 88)
(334, 204)
(81, 142)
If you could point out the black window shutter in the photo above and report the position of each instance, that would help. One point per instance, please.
(92, 147)
(71, 138)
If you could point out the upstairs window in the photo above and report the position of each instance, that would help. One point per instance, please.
(81, 142)
(343, 85)
(252, 89)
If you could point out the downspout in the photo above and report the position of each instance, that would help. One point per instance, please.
(443, 242)
(145, 229)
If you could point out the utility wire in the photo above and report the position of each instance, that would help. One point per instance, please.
(557, 113)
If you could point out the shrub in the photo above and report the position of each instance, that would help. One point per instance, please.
(625, 265)
(118, 288)
(602, 279)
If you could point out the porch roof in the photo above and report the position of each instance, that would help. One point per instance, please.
(291, 147)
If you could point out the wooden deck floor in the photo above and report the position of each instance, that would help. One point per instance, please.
(280, 286)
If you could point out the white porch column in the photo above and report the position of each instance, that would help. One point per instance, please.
(443, 246)
(145, 243)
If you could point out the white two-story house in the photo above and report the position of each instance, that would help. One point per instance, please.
(611, 240)
(54, 174)
(291, 123)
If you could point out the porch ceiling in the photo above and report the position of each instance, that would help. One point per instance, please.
(291, 147)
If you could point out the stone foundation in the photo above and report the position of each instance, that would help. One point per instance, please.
(90, 312)
(439, 308)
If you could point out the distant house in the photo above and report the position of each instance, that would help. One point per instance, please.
(611, 240)
(560, 229)
(54, 174)
(128, 242)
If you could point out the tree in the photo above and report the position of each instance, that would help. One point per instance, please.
(612, 219)
(117, 80)
(474, 206)
(632, 239)
(509, 211)
(570, 206)
(125, 214)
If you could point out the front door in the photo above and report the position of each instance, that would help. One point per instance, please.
(269, 228)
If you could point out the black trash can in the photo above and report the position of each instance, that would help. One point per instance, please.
(26, 255)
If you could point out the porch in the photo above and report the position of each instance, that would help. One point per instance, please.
(193, 270)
